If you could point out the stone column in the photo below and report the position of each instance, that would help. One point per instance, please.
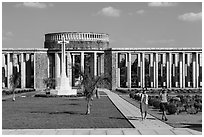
(188, 68)
(95, 63)
(73, 70)
(139, 70)
(170, 70)
(57, 66)
(183, 65)
(143, 69)
(167, 70)
(69, 67)
(118, 70)
(99, 65)
(163, 69)
(23, 71)
(181, 70)
(197, 70)
(129, 70)
(3, 70)
(82, 61)
(176, 69)
(156, 71)
(194, 69)
(152, 70)
(28, 70)
(102, 63)
(9, 68)
(200, 69)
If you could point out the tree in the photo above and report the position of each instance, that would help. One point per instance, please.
(14, 81)
(90, 84)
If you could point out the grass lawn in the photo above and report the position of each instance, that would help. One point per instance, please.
(178, 121)
(60, 112)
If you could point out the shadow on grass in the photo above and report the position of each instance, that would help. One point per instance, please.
(71, 104)
(197, 127)
(132, 118)
(63, 112)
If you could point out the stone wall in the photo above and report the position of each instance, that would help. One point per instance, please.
(114, 70)
(108, 66)
(41, 70)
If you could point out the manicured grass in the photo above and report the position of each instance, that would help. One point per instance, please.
(60, 112)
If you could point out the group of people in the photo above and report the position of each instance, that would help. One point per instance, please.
(144, 104)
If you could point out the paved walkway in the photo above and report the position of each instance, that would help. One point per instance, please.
(150, 126)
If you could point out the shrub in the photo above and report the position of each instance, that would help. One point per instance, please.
(171, 108)
(191, 110)
(132, 94)
(150, 101)
(137, 97)
(198, 106)
(156, 104)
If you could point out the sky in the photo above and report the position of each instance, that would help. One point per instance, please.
(129, 24)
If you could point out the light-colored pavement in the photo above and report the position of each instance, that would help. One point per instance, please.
(150, 126)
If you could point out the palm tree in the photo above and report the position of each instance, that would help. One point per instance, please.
(14, 81)
(89, 84)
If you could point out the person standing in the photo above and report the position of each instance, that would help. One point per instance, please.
(144, 104)
(163, 96)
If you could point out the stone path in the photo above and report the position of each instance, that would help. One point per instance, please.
(150, 126)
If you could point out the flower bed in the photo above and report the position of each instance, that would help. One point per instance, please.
(17, 91)
(188, 103)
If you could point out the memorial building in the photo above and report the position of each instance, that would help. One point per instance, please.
(126, 67)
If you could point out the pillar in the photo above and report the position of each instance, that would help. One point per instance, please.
(118, 70)
(197, 70)
(57, 65)
(188, 68)
(82, 61)
(167, 70)
(95, 63)
(163, 70)
(69, 67)
(23, 71)
(99, 65)
(176, 69)
(156, 78)
(170, 70)
(143, 69)
(154, 70)
(9, 68)
(139, 72)
(28, 70)
(129, 70)
(200, 70)
(102, 63)
(194, 69)
(151, 70)
(183, 70)
(3, 71)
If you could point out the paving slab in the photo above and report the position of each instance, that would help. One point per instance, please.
(65, 132)
(81, 132)
(98, 132)
(148, 132)
(164, 132)
(131, 132)
(115, 132)
(48, 132)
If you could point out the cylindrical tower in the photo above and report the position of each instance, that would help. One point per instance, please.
(78, 40)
